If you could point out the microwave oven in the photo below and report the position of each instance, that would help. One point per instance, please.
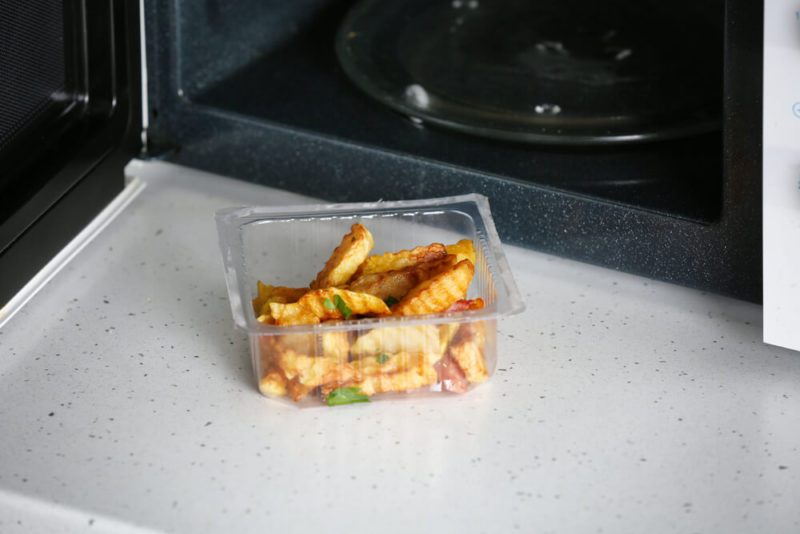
(627, 135)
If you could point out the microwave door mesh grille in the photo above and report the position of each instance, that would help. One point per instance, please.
(32, 63)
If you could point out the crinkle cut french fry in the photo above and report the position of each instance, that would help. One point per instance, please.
(305, 343)
(387, 364)
(313, 371)
(298, 391)
(289, 299)
(398, 283)
(415, 378)
(438, 293)
(392, 261)
(266, 319)
(464, 249)
(383, 285)
(336, 345)
(273, 383)
(467, 349)
(266, 352)
(346, 258)
(306, 373)
(423, 339)
(268, 293)
(323, 303)
(291, 314)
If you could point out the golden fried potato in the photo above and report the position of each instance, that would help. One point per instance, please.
(386, 364)
(266, 319)
(464, 249)
(392, 340)
(393, 261)
(298, 391)
(396, 284)
(467, 350)
(423, 280)
(300, 343)
(336, 345)
(314, 371)
(346, 258)
(273, 384)
(270, 349)
(383, 365)
(290, 314)
(438, 293)
(266, 352)
(327, 304)
(335, 303)
(268, 293)
(392, 284)
(415, 378)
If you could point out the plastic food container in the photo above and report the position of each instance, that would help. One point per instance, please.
(372, 358)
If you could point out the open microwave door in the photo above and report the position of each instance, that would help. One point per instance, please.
(70, 119)
(782, 173)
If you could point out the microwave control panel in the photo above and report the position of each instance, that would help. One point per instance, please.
(782, 173)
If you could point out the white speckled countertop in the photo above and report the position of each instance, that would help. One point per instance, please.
(620, 405)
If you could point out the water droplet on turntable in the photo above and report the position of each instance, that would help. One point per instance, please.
(547, 109)
(553, 48)
(417, 96)
(622, 54)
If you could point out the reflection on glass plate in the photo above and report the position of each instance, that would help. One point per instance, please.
(552, 71)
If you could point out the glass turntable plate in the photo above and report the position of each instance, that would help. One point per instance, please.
(570, 72)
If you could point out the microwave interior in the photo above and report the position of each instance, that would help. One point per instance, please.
(653, 169)
(275, 64)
